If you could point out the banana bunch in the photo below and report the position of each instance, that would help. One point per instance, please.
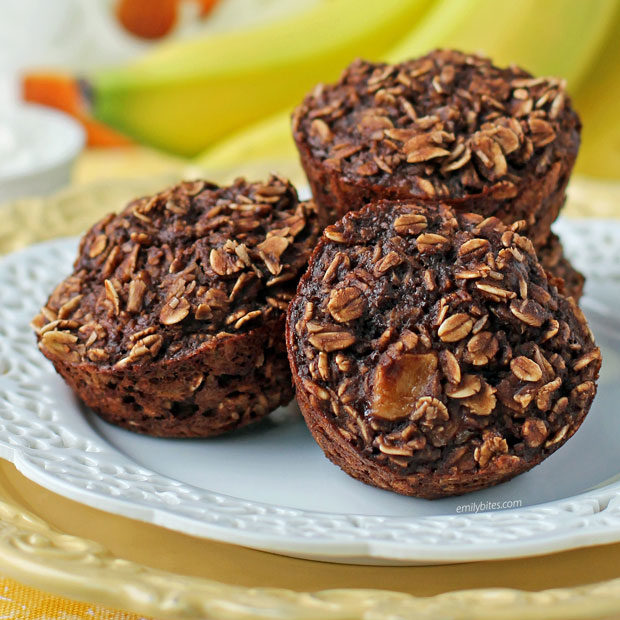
(184, 96)
(567, 38)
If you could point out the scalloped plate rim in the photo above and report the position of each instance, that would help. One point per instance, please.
(367, 549)
(369, 552)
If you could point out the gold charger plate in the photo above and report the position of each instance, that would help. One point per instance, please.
(61, 546)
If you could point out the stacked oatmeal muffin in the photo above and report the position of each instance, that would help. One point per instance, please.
(448, 126)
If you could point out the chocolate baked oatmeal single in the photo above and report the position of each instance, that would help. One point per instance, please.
(172, 322)
(431, 354)
(551, 257)
(447, 126)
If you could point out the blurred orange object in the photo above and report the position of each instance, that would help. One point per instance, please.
(63, 92)
(148, 19)
(153, 19)
(206, 6)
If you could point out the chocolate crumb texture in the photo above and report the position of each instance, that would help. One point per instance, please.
(448, 126)
(432, 354)
(570, 281)
(172, 322)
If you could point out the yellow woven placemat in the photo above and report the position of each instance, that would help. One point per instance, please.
(20, 602)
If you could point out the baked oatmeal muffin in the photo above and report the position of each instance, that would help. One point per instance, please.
(430, 353)
(551, 257)
(448, 125)
(172, 322)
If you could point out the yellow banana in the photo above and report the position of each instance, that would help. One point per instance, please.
(184, 96)
(546, 37)
(550, 37)
(255, 151)
(597, 103)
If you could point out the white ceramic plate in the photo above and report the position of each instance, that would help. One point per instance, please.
(270, 487)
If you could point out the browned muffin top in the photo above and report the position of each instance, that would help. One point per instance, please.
(446, 124)
(433, 340)
(178, 269)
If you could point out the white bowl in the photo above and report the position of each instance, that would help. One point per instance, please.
(38, 146)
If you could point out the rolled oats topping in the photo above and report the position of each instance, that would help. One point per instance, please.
(457, 366)
(453, 118)
(172, 322)
(191, 263)
(449, 126)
